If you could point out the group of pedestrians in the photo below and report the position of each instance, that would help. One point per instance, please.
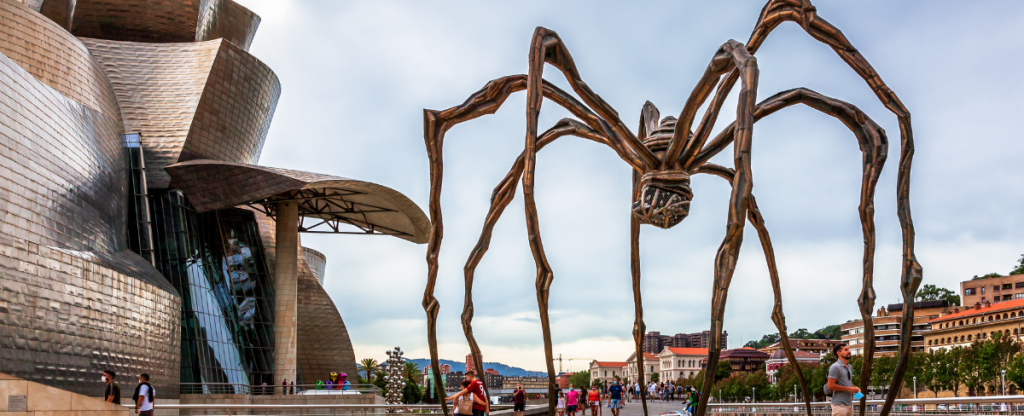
(144, 396)
(580, 400)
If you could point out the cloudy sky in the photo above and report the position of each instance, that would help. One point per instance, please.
(356, 76)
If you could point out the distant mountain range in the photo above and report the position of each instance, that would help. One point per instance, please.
(505, 370)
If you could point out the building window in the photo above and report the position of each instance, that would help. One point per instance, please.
(983, 290)
(971, 291)
(995, 288)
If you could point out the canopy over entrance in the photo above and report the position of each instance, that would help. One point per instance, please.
(327, 204)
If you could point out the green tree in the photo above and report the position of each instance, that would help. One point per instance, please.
(932, 370)
(971, 368)
(990, 275)
(932, 292)
(412, 371)
(411, 393)
(580, 379)
(655, 377)
(1015, 371)
(828, 332)
(801, 334)
(723, 371)
(788, 378)
(954, 378)
(765, 341)
(367, 367)
(1019, 268)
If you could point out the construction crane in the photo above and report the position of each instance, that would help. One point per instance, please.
(560, 359)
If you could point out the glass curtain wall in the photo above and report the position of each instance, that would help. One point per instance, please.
(217, 263)
(140, 236)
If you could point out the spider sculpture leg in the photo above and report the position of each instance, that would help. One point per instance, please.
(548, 48)
(436, 124)
(778, 317)
(801, 11)
(873, 143)
(732, 55)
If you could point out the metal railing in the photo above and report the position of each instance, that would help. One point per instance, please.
(987, 405)
(269, 390)
(983, 405)
(324, 409)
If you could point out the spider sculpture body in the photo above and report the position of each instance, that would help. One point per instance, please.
(664, 153)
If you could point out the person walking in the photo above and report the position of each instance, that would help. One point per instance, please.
(284, 387)
(112, 392)
(840, 381)
(519, 397)
(584, 396)
(560, 406)
(479, 399)
(615, 397)
(572, 400)
(594, 400)
(692, 400)
(144, 396)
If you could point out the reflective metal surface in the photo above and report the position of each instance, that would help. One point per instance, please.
(216, 261)
(158, 21)
(317, 263)
(55, 57)
(190, 100)
(323, 199)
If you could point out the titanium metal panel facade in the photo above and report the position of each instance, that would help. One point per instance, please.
(317, 263)
(55, 57)
(73, 300)
(190, 100)
(158, 21)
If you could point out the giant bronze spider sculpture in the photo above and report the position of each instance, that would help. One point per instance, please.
(664, 155)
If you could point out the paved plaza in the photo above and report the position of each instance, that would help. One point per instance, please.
(636, 409)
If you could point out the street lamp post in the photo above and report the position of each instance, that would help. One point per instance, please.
(915, 387)
(794, 394)
(1003, 381)
(753, 395)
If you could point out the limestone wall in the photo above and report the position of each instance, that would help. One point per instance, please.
(43, 400)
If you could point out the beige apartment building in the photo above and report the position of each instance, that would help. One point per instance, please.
(606, 371)
(679, 363)
(651, 365)
(888, 322)
(818, 346)
(982, 321)
(993, 290)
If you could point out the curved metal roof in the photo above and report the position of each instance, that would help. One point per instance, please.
(327, 204)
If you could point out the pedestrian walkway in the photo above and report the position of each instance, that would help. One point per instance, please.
(637, 409)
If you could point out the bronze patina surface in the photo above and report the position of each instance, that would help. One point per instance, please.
(664, 153)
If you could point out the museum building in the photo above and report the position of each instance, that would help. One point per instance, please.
(137, 232)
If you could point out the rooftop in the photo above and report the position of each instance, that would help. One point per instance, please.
(687, 351)
(982, 310)
(611, 363)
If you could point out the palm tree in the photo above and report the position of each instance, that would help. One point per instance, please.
(412, 372)
(367, 366)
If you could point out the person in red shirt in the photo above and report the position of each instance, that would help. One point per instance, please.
(594, 397)
(519, 397)
(480, 403)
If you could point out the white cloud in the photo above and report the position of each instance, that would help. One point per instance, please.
(357, 75)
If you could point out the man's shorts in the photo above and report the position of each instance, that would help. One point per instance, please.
(571, 408)
(842, 410)
(519, 407)
(616, 403)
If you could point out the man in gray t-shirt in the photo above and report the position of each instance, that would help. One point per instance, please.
(840, 381)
